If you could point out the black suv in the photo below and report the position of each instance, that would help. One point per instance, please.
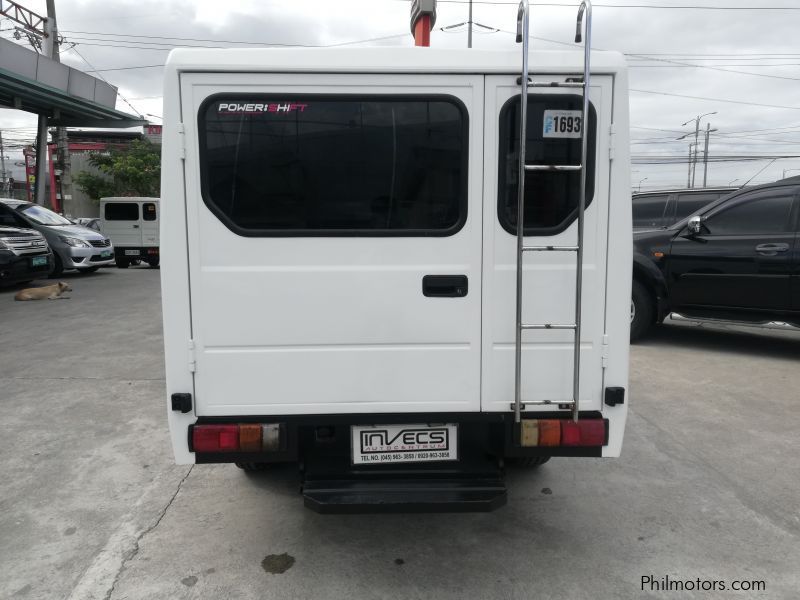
(736, 259)
(24, 255)
(662, 208)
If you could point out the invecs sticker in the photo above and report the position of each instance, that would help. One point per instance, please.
(256, 108)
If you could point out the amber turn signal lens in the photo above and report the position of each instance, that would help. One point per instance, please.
(549, 432)
(250, 437)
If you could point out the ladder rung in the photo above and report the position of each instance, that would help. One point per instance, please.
(525, 403)
(549, 248)
(553, 167)
(557, 84)
(548, 326)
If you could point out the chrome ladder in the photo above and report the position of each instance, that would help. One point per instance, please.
(523, 37)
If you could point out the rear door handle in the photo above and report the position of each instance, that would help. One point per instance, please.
(445, 286)
(771, 249)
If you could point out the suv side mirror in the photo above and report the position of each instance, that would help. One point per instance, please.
(695, 225)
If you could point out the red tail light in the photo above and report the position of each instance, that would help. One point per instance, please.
(558, 432)
(215, 438)
(593, 432)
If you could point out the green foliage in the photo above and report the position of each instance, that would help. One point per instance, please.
(131, 171)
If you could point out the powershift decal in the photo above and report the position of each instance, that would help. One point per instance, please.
(254, 108)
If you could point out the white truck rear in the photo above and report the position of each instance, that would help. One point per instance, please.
(132, 224)
(339, 268)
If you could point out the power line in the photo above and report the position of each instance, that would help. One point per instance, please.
(673, 7)
(715, 99)
(713, 68)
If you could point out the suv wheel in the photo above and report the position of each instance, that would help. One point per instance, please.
(642, 310)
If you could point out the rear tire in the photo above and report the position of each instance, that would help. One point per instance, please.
(252, 467)
(642, 310)
(122, 263)
(153, 262)
(58, 266)
(528, 462)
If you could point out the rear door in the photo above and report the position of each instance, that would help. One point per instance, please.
(334, 242)
(150, 224)
(123, 223)
(549, 277)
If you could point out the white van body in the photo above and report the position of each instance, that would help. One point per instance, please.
(132, 224)
(307, 328)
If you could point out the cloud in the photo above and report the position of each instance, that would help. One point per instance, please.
(104, 34)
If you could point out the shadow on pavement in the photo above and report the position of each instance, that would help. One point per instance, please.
(769, 343)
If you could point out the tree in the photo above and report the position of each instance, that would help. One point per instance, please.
(131, 171)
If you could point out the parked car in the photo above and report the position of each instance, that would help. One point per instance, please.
(73, 246)
(24, 255)
(736, 259)
(662, 208)
(89, 223)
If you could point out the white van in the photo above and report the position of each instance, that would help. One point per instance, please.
(340, 258)
(132, 224)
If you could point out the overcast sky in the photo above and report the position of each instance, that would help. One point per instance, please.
(741, 62)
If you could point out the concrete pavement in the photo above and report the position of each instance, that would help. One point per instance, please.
(91, 505)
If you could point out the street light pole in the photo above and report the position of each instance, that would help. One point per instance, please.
(639, 188)
(705, 154)
(469, 23)
(696, 139)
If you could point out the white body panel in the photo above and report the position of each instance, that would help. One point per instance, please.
(131, 233)
(299, 325)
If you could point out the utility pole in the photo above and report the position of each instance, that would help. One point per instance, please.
(705, 154)
(62, 145)
(696, 139)
(689, 174)
(469, 30)
(41, 139)
(3, 164)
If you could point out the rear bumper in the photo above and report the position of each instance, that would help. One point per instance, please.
(480, 434)
(140, 252)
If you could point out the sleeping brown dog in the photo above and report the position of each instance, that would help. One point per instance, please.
(51, 292)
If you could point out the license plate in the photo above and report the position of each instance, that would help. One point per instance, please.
(131, 253)
(38, 261)
(381, 444)
(105, 254)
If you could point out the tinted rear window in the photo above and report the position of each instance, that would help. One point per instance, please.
(149, 211)
(648, 211)
(335, 165)
(551, 198)
(122, 211)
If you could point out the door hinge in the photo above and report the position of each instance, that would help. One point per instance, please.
(612, 141)
(604, 352)
(182, 137)
(192, 361)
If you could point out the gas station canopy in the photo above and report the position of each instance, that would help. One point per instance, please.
(68, 97)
